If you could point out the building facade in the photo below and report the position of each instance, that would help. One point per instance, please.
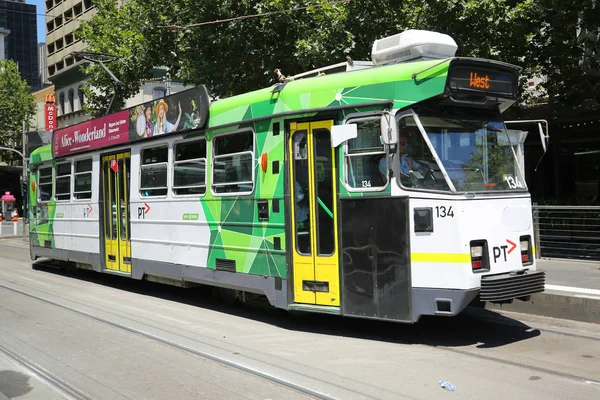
(20, 44)
(62, 19)
(42, 66)
(64, 70)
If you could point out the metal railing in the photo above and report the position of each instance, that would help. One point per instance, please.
(567, 232)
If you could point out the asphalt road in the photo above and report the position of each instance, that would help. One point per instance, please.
(86, 335)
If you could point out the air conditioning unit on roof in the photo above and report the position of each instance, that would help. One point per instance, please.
(413, 45)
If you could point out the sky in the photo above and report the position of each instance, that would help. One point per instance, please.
(41, 21)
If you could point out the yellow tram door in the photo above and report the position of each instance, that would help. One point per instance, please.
(115, 189)
(314, 214)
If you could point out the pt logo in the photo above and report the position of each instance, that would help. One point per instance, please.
(142, 211)
(87, 211)
(502, 250)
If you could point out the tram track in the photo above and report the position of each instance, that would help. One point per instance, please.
(524, 365)
(291, 385)
(406, 339)
(45, 376)
(163, 341)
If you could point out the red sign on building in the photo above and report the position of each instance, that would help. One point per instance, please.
(50, 117)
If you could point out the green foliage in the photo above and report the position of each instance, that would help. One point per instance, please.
(16, 105)
(116, 30)
(542, 36)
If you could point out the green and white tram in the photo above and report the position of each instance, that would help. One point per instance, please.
(386, 189)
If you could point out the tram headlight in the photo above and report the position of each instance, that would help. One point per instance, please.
(526, 253)
(479, 256)
(476, 251)
(524, 245)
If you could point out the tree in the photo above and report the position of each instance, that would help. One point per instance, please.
(556, 39)
(16, 105)
(114, 30)
(565, 48)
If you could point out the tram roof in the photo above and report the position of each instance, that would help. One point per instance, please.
(339, 89)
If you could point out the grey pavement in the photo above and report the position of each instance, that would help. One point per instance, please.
(8, 229)
(571, 273)
(18, 382)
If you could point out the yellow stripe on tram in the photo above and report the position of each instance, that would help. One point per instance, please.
(440, 257)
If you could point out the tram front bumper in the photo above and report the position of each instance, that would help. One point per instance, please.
(504, 288)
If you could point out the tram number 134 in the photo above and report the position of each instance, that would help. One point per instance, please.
(443, 212)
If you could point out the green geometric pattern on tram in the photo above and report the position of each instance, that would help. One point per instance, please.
(41, 232)
(236, 233)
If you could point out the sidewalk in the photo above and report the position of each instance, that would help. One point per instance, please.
(572, 292)
(572, 273)
(8, 229)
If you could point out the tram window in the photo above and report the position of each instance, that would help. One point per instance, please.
(154, 171)
(83, 179)
(189, 168)
(63, 182)
(45, 184)
(233, 163)
(366, 166)
(418, 167)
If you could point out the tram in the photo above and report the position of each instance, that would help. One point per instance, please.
(386, 189)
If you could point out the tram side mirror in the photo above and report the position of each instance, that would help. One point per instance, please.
(389, 129)
(341, 133)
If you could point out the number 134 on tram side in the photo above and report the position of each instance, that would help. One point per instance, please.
(389, 189)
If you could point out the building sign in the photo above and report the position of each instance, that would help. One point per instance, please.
(50, 112)
(50, 117)
(179, 112)
(487, 81)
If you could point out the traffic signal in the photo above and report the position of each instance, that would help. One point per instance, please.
(24, 186)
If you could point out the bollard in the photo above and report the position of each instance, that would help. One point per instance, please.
(15, 223)
(0, 224)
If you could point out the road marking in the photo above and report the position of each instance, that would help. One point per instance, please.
(593, 292)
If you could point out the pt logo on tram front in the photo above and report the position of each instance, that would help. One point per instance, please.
(503, 250)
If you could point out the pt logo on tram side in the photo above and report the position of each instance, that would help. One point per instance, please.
(502, 250)
(87, 211)
(143, 210)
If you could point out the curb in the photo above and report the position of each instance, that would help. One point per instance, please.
(564, 306)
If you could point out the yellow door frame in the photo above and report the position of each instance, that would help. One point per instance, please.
(117, 249)
(314, 267)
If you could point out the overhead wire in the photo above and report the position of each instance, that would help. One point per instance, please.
(242, 17)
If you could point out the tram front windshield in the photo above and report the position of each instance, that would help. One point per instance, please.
(476, 154)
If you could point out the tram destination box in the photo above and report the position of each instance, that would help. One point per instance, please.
(479, 79)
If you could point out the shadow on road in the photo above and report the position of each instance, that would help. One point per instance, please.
(13, 384)
(480, 327)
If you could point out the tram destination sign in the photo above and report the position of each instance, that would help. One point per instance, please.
(180, 111)
(485, 81)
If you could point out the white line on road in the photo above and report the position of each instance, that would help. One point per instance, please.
(593, 292)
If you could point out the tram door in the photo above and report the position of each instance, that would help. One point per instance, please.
(115, 189)
(314, 214)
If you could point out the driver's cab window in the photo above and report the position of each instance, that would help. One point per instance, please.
(366, 161)
(418, 168)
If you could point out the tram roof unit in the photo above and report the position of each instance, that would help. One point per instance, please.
(406, 69)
